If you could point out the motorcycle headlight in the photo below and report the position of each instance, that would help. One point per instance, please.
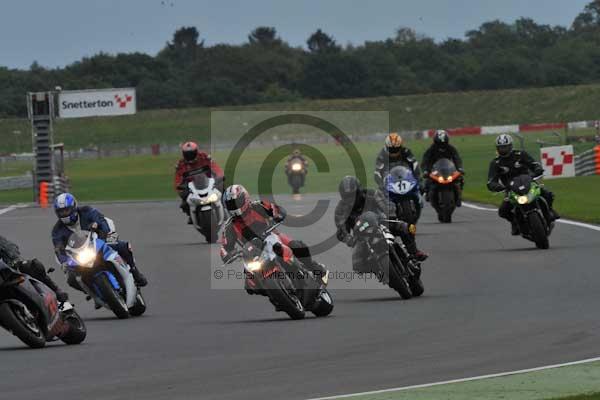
(254, 266)
(86, 257)
(450, 179)
(440, 179)
(523, 200)
(297, 167)
(213, 198)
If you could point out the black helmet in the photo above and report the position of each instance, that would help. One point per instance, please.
(504, 145)
(441, 138)
(349, 187)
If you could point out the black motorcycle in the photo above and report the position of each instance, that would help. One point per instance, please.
(295, 170)
(388, 258)
(271, 270)
(445, 191)
(29, 310)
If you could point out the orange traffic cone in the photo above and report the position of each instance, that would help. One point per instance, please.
(44, 194)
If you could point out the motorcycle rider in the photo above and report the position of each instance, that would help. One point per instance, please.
(296, 155)
(507, 165)
(193, 159)
(11, 255)
(72, 218)
(393, 154)
(251, 218)
(355, 201)
(441, 148)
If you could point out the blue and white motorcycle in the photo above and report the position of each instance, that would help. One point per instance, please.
(103, 274)
(402, 189)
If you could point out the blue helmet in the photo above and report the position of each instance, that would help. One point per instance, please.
(65, 207)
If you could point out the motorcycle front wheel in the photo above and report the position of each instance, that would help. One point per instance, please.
(22, 324)
(283, 297)
(112, 297)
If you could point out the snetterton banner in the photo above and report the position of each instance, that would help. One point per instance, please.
(96, 103)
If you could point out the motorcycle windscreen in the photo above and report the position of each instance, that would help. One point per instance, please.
(444, 167)
(400, 182)
(521, 184)
(201, 181)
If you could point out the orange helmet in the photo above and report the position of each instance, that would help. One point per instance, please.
(189, 151)
(393, 143)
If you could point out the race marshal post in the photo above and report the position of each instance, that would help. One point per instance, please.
(44, 107)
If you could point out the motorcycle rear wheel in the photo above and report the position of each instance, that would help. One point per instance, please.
(77, 330)
(27, 330)
(139, 307)
(324, 305)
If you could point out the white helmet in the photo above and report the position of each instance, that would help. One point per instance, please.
(504, 145)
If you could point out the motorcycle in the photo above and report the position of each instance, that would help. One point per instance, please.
(402, 188)
(103, 275)
(29, 310)
(271, 270)
(296, 172)
(531, 210)
(387, 256)
(445, 190)
(206, 209)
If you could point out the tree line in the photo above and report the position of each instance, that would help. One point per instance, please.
(187, 72)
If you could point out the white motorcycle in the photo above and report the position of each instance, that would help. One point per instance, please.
(206, 208)
(103, 275)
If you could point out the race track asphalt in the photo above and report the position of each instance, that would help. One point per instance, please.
(492, 303)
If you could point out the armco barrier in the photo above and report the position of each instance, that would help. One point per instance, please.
(588, 162)
(16, 182)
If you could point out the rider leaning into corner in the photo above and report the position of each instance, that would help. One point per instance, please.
(72, 218)
(441, 148)
(355, 201)
(507, 165)
(249, 219)
(392, 155)
(11, 255)
(192, 160)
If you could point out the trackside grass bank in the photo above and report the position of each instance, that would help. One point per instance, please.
(555, 384)
(416, 112)
(148, 177)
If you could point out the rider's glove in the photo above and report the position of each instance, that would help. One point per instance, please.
(461, 170)
(278, 218)
(350, 241)
(226, 256)
(497, 187)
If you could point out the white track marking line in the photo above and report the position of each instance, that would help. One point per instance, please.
(12, 208)
(476, 207)
(560, 221)
(476, 378)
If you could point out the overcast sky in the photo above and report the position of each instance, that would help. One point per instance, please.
(59, 32)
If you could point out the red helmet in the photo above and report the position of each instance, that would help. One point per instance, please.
(189, 151)
(237, 200)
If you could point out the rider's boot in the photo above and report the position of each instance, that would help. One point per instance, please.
(138, 277)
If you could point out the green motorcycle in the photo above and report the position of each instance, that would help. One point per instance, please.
(532, 212)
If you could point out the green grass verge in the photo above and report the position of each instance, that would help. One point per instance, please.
(416, 112)
(582, 397)
(580, 381)
(148, 177)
